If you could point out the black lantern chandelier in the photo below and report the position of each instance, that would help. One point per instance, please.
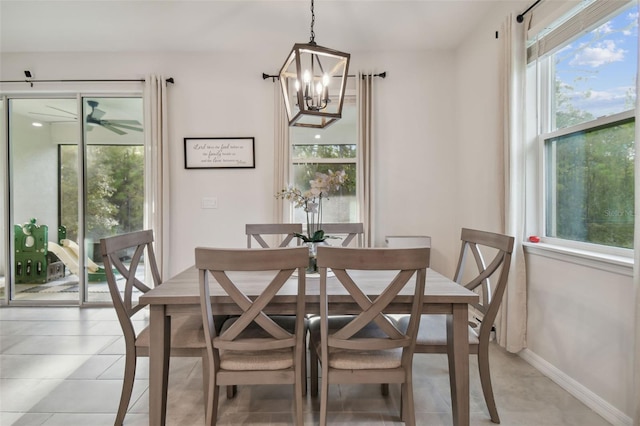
(313, 80)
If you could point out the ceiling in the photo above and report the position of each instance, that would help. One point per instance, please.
(238, 25)
(35, 26)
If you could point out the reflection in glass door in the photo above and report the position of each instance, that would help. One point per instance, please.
(114, 179)
(36, 127)
(4, 233)
(65, 193)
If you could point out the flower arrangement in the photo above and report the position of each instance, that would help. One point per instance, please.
(311, 201)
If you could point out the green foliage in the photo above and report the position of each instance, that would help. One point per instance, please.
(115, 190)
(594, 186)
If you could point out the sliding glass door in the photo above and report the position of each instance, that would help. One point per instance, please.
(71, 182)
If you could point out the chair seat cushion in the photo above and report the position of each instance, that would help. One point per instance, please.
(347, 359)
(274, 359)
(186, 333)
(433, 330)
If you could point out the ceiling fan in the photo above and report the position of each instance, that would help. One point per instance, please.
(116, 126)
(69, 116)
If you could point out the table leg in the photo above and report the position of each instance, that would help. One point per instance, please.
(458, 348)
(159, 348)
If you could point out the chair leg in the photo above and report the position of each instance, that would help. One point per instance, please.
(313, 370)
(407, 407)
(324, 395)
(485, 381)
(299, 388)
(231, 391)
(384, 389)
(205, 379)
(303, 370)
(130, 360)
(211, 405)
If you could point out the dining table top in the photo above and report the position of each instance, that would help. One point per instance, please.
(183, 289)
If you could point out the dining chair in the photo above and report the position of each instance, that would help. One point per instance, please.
(348, 231)
(367, 346)
(129, 254)
(253, 348)
(286, 231)
(432, 334)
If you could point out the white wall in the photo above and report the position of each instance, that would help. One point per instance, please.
(223, 95)
(36, 174)
(580, 317)
(580, 321)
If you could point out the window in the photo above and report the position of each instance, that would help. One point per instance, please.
(587, 92)
(320, 150)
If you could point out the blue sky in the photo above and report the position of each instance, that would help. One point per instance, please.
(601, 65)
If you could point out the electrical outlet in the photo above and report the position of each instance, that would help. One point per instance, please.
(209, 203)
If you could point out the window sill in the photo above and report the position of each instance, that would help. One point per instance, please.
(610, 263)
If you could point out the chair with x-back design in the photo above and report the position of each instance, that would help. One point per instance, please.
(253, 348)
(285, 231)
(490, 280)
(128, 254)
(367, 346)
(347, 231)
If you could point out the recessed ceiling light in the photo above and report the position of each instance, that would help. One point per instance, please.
(36, 124)
(317, 136)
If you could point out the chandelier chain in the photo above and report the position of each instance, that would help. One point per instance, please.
(313, 20)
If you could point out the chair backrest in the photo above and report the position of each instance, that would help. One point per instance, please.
(282, 262)
(345, 263)
(348, 230)
(287, 231)
(490, 280)
(126, 254)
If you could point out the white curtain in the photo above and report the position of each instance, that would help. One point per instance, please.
(511, 324)
(157, 167)
(636, 264)
(281, 151)
(365, 152)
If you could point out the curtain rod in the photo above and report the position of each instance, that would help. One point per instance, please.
(277, 77)
(520, 18)
(30, 81)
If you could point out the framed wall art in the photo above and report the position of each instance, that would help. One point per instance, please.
(219, 153)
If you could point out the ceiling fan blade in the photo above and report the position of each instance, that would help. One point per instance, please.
(97, 113)
(53, 115)
(62, 110)
(113, 129)
(124, 126)
(136, 122)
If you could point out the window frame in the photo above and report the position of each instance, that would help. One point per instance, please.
(607, 121)
(543, 77)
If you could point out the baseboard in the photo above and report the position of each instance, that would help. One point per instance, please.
(587, 397)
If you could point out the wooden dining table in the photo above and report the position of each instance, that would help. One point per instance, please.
(180, 295)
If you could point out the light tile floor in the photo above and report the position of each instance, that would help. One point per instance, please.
(64, 366)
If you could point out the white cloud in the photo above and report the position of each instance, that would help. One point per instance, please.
(601, 103)
(604, 28)
(599, 54)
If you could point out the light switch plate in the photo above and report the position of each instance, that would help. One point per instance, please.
(209, 203)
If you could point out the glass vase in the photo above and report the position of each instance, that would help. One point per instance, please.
(313, 252)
